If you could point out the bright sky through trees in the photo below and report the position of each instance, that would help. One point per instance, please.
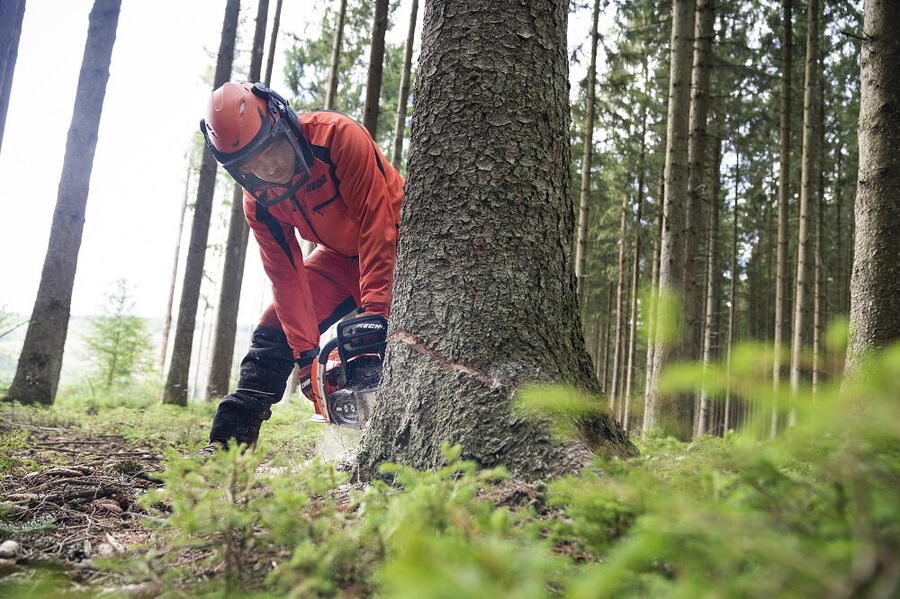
(155, 99)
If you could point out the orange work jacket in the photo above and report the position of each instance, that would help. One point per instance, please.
(350, 204)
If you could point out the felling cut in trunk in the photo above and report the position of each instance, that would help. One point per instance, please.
(484, 294)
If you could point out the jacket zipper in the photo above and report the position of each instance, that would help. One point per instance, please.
(312, 229)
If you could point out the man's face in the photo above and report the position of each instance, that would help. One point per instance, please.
(275, 164)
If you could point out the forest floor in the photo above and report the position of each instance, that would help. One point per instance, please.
(70, 485)
(104, 496)
(72, 496)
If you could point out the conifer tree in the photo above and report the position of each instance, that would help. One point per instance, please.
(875, 286)
(176, 388)
(37, 374)
(501, 186)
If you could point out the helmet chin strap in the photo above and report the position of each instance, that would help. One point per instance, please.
(279, 106)
(292, 189)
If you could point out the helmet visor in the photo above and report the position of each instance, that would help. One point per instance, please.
(271, 167)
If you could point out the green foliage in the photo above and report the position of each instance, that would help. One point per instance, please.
(811, 513)
(308, 64)
(9, 443)
(118, 343)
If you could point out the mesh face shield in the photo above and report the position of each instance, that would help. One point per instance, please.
(274, 152)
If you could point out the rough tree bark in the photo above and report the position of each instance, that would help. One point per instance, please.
(11, 14)
(807, 192)
(331, 95)
(37, 374)
(875, 286)
(587, 157)
(484, 293)
(782, 322)
(376, 68)
(176, 389)
(400, 125)
(227, 308)
(671, 262)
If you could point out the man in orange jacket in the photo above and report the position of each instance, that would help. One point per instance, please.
(321, 174)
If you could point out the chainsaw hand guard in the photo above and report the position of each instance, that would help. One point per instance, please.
(361, 344)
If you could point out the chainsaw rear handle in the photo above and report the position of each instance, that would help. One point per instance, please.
(319, 378)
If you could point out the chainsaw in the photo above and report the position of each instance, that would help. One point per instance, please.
(346, 373)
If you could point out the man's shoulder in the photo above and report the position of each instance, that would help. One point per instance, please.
(325, 118)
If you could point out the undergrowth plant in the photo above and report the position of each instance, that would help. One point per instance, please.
(812, 512)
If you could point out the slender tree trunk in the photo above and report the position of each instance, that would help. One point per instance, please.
(167, 319)
(875, 284)
(37, 374)
(400, 125)
(842, 281)
(807, 195)
(11, 15)
(671, 270)
(227, 308)
(176, 389)
(376, 68)
(444, 380)
(732, 309)
(331, 96)
(653, 297)
(782, 310)
(270, 58)
(607, 327)
(713, 283)
(587, 157)
(693, 258)
(618, 340)
(635, 267)
(818, 322)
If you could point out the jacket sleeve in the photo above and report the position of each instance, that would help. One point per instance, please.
(283, 263)
(366, 192)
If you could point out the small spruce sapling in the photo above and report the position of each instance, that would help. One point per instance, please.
(118, 343)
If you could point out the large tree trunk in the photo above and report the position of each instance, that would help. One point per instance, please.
(235, 251)
(782, 322)
(671, 261)
(807, 193)
(400, 125)
(331, 95)
(11, 15)
(167, 319)
(37, 374)
(587, 154)
(176, 389)
(693, 255)
(875, 286)
(376, 68)
(484, 293)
